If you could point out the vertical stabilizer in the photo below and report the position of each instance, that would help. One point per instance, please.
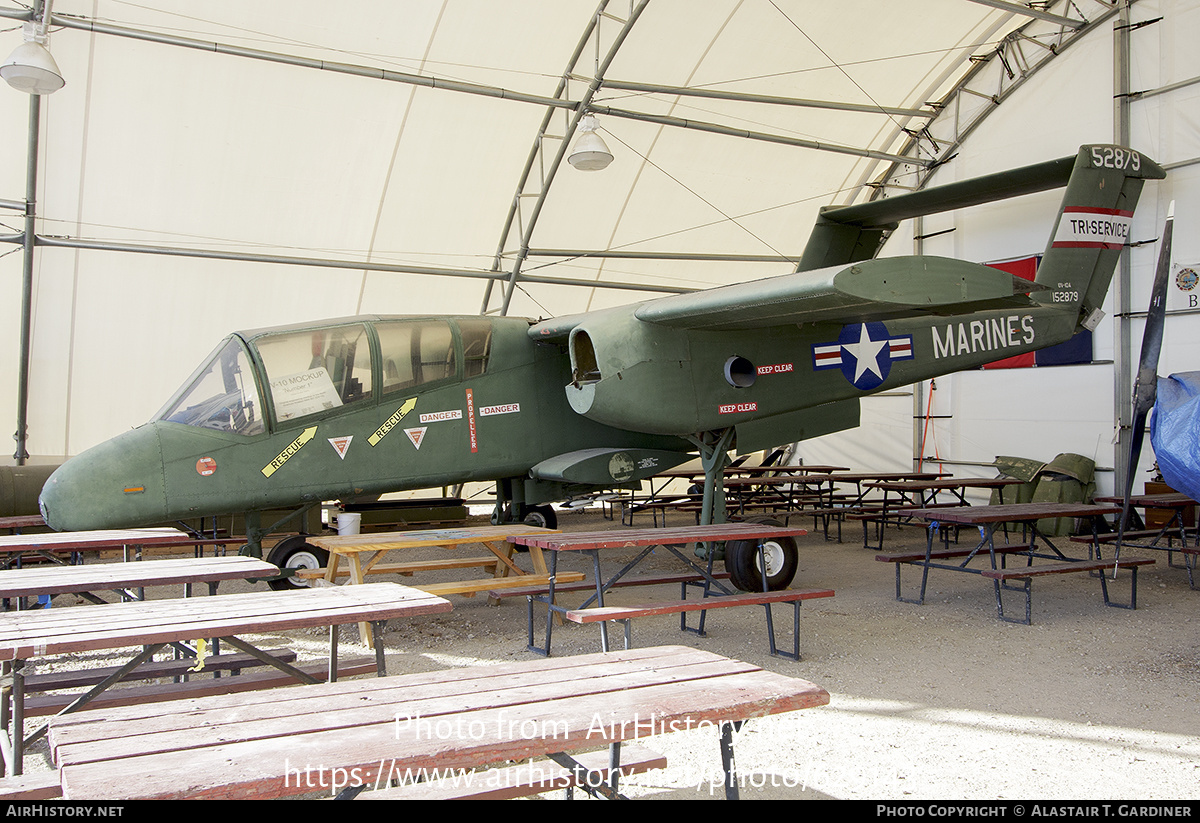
(1092, 228)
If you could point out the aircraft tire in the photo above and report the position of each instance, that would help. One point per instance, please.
(541, 516)
(295, 553)
(741, 561)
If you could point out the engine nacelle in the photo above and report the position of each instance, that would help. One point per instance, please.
(632, 375)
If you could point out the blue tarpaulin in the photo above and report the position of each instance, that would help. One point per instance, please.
(1175, 432)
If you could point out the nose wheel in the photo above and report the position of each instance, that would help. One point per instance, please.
(295, 553)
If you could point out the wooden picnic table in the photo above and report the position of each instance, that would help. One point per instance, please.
(339, 736)
(751, 471)
(353, 548)
(1174, 506)
(827, 482)
(773, 488)
(1175, 510)
(659, 499)
(924, 492)
(901, 499)
(153, 624)
(15, 523)
(124, 577)
(52, 544)
(715, 593)
(375, 546)
(990, 518)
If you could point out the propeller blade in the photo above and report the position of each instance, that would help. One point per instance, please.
(1145, 386)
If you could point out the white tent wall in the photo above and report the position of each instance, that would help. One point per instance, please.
(160, 145)
(973, 417)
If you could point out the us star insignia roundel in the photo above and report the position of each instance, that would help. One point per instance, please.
(864, 352)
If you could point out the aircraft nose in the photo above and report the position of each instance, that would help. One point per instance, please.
(118, 484)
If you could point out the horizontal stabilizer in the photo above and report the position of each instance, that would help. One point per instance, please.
(866, 291)
(1052, 174)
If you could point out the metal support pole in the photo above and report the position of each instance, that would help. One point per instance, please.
(919, 410)
(31, 159)
(1122, 344)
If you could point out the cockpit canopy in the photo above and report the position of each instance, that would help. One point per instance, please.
(220, 395)
(307, 372)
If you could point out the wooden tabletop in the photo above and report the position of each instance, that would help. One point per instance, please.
(286, 742)
(386, 541)
(946, 483)
(82, 541)
(620, 538)
(25, 635)
(1012, 512)
(781, 480)
(93, 576)
(1163, 500)
(863, 477)
(858, 477)
(734, 471)
(22, 521)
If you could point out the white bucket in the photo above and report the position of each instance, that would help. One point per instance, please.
(349, 522)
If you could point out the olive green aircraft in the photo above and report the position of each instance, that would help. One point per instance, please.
(553, 409)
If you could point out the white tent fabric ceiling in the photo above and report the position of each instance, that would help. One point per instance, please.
(394, 137)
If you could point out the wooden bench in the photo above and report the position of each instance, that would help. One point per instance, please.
(152, 670)
(1026, 573)
(44, 705)
(918, 558)
(1129, 538)
(129, 579)
(406, 569)
(1172, 534)
(943, 554)
(898, 516)
(824, 515)
(469, 588)
(1132, 534)
(782, 508)
(625, 614)
(871, 513)
(587, 586)
(35, 786)
(683, 502)
(530, 592)
(526, 779)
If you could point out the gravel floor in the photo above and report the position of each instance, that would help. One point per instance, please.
(940, 701)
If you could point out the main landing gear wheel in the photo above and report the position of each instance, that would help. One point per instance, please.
(541, 516)
(295, 553)
(781, 556)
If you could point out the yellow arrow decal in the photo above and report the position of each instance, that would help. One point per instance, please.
(287, 453)
(391, 422)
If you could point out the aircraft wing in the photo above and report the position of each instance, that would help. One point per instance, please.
(870, 290)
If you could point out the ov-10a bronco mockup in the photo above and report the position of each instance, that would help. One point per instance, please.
(292, 416)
